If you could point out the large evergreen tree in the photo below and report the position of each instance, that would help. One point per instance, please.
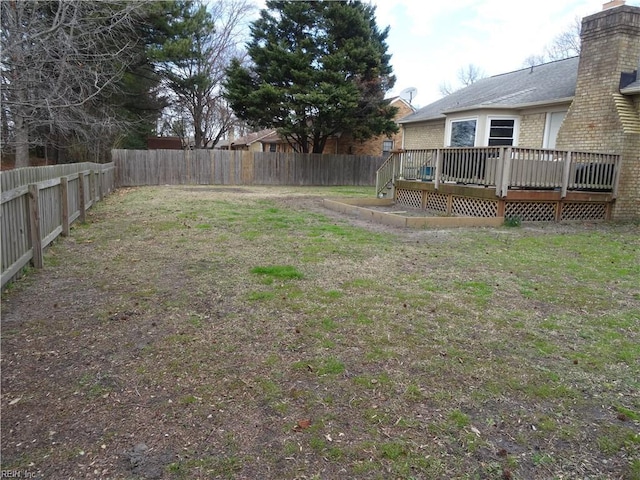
(318, 69)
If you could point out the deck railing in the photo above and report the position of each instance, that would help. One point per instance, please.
(504, 168)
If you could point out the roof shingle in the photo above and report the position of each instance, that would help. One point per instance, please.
(548, 82)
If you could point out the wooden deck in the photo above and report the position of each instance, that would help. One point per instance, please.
(528, 184)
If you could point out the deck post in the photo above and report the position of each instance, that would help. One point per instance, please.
(499, 172)
(616, 177)
(436, 179)
(506, 172)
(565, 174)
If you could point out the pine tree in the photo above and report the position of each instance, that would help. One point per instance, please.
(318, 69)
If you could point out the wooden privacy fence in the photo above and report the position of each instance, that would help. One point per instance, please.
(40, 203)
(224, 167)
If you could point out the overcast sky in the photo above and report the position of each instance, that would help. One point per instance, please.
(431, 40)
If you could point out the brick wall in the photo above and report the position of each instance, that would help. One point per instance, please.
(610, 45)
(373, 146)
(532, 130)
(424, 135)
(627, 206)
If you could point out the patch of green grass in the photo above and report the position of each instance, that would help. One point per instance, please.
(482, 291)
(321, 366)
(617, 438)
(625, 413)
(413, 393)
(257, 296)
(541, 459)
(188, 400)
(329, 324)
(393, 450)
(459, 419)
(96, 385)
(634, 469)
(334, 294)
(283, 272)
(513, 221)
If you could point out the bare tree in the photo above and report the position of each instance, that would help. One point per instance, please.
(58, 59)
(195, 74)
(567, 43)
(446, 88)
(466, 76)
(563, 45)
(470, 74)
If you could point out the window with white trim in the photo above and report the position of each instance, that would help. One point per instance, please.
(463, 133)
(387, 146)
(501, 132)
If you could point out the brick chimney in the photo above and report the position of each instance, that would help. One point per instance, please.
(598, 119)
(612, 3)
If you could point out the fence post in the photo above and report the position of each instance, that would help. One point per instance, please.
(565, 174)
(64, 200)
(34, 220)
(81, 201)
(100, 181)
(92, 186)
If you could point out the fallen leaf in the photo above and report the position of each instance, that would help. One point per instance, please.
(15, 400)
(302, 424)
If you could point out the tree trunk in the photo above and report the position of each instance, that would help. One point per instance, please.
(21, 141)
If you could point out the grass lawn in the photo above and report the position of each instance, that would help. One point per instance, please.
(200, 332)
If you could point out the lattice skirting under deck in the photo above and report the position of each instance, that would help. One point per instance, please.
(409, 198)
(527, 211)
(531, 211)
(584, 211)
(436, 202)
(474, 207)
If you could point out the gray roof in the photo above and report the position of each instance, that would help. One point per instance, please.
(546, 83)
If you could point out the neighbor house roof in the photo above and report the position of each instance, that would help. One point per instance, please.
(247, 139)
(547, 83)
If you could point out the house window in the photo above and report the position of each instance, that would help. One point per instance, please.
(501, 132)
(463, 133)
(387, 146)
(272, 147)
